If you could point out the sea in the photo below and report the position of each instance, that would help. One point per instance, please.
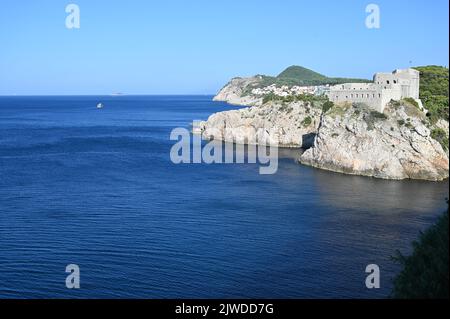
(96, 188)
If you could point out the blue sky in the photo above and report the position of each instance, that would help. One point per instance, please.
(195, 47)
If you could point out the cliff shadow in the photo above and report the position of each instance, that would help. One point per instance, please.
(308, 140)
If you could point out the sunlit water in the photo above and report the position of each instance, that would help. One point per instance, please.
(97, 188)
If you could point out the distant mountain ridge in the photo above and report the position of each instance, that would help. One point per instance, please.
(298, 75)
(239, 90)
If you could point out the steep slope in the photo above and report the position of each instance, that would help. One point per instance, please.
(434, 90)
(275, 123)
(233, 92)
(396, 144)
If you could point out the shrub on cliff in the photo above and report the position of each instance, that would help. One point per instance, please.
(434, 91)
(307, 121)
(378, 115)
(326, 106)
(270, 97)
(439, 135)
(308, 99)
(425, 272)
(411, 101)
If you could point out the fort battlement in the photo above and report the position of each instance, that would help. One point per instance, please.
(385, 87)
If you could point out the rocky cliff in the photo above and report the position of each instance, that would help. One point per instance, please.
(394, 145)
(234, 92)
(351, 138)
(273, 123)
(400, 143)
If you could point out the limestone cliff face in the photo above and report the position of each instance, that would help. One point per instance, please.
(233, 92)
(288, 125)
(398, 145)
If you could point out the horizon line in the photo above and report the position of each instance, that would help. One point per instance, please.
(111, 95)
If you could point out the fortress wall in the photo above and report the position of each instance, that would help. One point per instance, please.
(409, 80)
(386, 87)
(373, 98)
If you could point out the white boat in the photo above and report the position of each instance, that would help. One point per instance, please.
(99, 105)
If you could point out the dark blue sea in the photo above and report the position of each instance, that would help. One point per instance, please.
(97, 188)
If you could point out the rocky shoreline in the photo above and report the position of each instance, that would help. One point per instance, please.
(276, 124)
(351, 138)
(393, 145)
(233, 92)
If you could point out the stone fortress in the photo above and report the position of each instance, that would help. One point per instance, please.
(385, 87)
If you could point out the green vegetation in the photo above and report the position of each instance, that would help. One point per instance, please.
(425, 272)
(339, 110)
(301, 74)
(297, 75)
(411, 101)
(439, 135)
(378, 115)
(414, 112)
(434, 91)
(313, 100)
(269, 97)
(372, 117)
(307, 121)
(396, 104)
(326, 106)
(434, 86)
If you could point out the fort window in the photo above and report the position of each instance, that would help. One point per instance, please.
(387, 81)
(395, 81)
(379, 95)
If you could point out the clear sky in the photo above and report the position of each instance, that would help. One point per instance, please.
(195, 47)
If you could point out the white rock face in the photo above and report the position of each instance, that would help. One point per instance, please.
(232, 93)
(443, 124)
(347, 139)
(357, 141)
(286, 125)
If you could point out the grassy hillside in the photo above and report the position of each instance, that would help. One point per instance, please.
(297, 75)
(434, 91)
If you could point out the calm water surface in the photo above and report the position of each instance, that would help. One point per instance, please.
(97, 188)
